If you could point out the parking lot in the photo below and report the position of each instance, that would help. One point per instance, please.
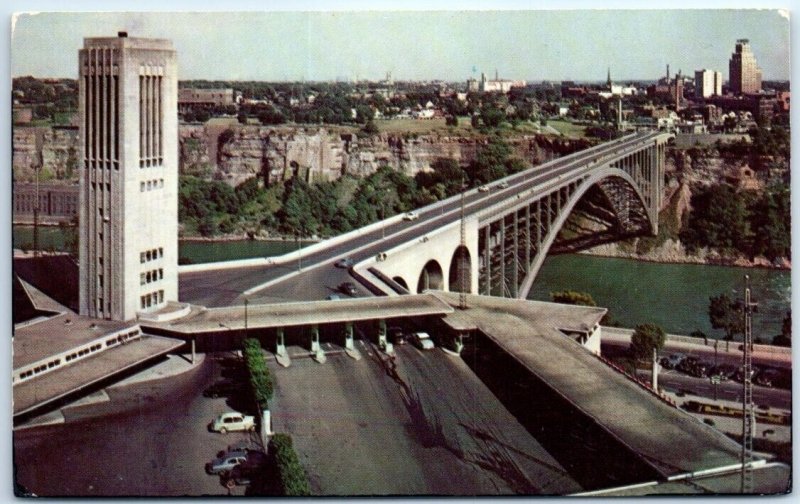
(150, 438)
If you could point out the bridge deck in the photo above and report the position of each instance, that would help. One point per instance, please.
(671, 440)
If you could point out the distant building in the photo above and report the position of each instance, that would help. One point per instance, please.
(745, 75)
(206, 97)
(57, 202)
(128, 94)
(497, 85)
(707, 83)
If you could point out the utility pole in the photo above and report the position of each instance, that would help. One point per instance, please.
(748, 414)
(36, 213)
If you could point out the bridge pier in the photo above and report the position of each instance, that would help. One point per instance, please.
(349, 347)
(383, 342)
(281, 355)
(316, 349)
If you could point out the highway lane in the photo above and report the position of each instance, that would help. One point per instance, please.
(730, 390)
(225, 287)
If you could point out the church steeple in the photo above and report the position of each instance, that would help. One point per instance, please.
(608, 80)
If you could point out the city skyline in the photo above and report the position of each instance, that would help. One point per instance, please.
(326, 46)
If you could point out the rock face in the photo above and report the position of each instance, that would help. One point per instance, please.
(55, 150)
(319, 154)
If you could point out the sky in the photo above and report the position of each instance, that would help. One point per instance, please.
(419, 45)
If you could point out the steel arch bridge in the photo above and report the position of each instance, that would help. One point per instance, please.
(610, 198)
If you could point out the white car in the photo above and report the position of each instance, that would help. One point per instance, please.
(226, 462)
(502, 185)
(411, 216)
(422, 340)
(232, 421)
(483, 188)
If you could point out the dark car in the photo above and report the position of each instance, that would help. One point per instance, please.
(767, 378)
(396, 335)
(701, 369)
(221, 388)
(724, 372)
(687, 365)
(244, 473)
(348, 288)
(344, 263)
(739, 376)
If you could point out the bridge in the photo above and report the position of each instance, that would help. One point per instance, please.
(609, 192)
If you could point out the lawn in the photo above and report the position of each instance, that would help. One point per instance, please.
(568, 129)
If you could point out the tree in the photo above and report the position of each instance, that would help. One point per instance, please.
(451, 120)
(242, 118)
(370, 128)
(645, 338)
(726, 314)
(573, 298)
(785, 337)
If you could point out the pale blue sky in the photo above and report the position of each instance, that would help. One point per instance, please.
(532, 45)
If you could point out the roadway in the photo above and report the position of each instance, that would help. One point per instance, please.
(314, 277)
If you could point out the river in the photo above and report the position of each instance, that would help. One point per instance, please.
(673, 296)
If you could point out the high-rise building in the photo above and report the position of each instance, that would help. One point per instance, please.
(745, 75)
(707, 83)
(128, 91)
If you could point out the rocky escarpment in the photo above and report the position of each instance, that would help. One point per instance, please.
(53, 150)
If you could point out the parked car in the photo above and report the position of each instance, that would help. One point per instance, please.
(333, 297)
(411, 216)
(739, 376)
(344, 263)
(227, 462)
(701, 369)
(396, 335)
(247, 471)
(422, 340)
(483, 188)
(673, 360)
(233, 421)
(502, 185)
(221, 388)
(724, 371)
(348, 288)
(767, 378)
(687, 365)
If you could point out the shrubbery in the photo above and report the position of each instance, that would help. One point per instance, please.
(290, 476)
(260, 378)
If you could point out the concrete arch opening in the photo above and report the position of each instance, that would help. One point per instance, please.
(460, 269)
(402, 282)
(431, 277)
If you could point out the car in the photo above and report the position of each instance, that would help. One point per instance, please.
(739, 376)
(422, 340)
(483, 188)
(724, 372)
(245, 472)
(227, 462)
(344, 263)
(396, 335)
(701, 369)
(333, 297)
(673, 360)
(687, 365)
(410, 216)
(348, 288)
(767, 378)
(233, 421)
(502, 185)
(221, 388)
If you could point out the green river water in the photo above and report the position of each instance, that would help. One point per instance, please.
(673, 296)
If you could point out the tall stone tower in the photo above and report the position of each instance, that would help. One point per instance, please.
(745, 75)
(128, 90)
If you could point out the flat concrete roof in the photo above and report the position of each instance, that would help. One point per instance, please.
(61, 381)
(58, 334)
(671, 440)
(306, 313)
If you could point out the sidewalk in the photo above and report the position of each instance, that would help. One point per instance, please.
(781, 356)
